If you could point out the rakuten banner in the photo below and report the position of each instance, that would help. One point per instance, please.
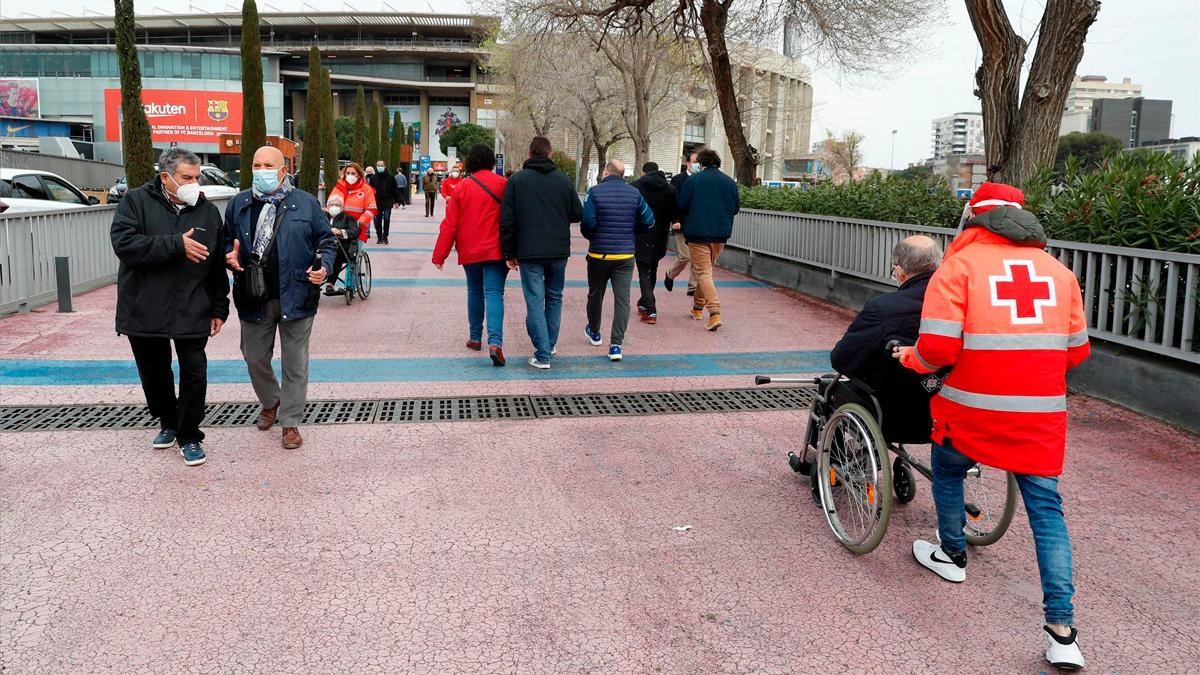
(180, 115)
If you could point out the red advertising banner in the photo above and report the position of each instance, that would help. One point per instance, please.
(180, 115)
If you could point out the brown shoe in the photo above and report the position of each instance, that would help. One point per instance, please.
(291, 438)
(697, 313)
(266, 418)
(714, 322)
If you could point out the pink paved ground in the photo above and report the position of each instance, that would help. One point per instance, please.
(543, 546)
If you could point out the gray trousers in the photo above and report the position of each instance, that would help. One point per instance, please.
(601, 273)
(258, 346)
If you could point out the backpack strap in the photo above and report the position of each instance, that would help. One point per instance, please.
(485, 188)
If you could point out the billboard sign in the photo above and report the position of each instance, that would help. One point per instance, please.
(426, 164)
(410, 116)
(441, 118)
(19, 97)
(26, 128)
(180, 115)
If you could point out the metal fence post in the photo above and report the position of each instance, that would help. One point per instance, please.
(62, 272)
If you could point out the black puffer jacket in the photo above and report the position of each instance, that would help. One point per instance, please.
(384, 185)
(660, 195)
(537, 210)
(160, 293)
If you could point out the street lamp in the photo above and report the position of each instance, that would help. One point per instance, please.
(288, 126)
(892, 163)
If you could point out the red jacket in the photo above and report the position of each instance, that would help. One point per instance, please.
(472, 222)
(449, 183)
(1009, 318)
(359, 202)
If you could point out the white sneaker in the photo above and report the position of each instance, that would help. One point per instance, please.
(1063, 656)
(538, 364)
(933, 557)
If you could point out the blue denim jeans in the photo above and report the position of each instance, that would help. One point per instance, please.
(1044, 507)
(543, 280)
(485, 293)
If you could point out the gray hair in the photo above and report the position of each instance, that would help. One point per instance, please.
(170, 160)
(917, 255)
(615, 168)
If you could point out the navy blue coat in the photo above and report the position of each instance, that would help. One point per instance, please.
(708, 201)
(612, 212)
(303, 230)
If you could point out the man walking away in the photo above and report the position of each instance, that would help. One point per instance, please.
(613, 212)
(684, 259)
(429, 184)
(171, 286)
(385, 198)
(652, 243)
(538, 207)
(403, 194)
(281, 250)
(1008, 317)
(709, 201)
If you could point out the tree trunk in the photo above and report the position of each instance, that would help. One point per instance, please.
(1020, 133)
(584, 158)
(713, 17)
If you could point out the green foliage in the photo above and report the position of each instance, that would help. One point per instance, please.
(310, 157)
(920, 201)
(136, 148)
(330, 131)
(398, 135)
(1139, 199)
(465, 135)
(916, 172)
(384, 135)
(566, 164)
(254, 120)
(372, 135)
(360, 127)
(345, 129)
(1090, 149)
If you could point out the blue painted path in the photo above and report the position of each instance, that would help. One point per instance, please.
(49, 372)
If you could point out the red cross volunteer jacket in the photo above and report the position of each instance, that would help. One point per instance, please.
(1008, 317)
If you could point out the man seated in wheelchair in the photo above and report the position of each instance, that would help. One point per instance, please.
(346, 229)
(863, 358)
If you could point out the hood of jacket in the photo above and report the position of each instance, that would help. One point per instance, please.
(655, 181)
(1000, 224)
(540, 164)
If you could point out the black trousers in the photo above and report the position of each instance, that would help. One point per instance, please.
(647, 277)
(430, 198)
(184, 413)
(602, 273)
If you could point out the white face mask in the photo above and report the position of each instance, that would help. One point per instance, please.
(695, 167)
(188, 194)
(334, 210)
(351, 178)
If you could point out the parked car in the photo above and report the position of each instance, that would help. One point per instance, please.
(29, 190)
(213, 181)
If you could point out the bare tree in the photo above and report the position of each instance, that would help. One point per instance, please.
(1021, 132)
(842, 155)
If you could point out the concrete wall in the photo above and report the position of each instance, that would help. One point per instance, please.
(1152, 385)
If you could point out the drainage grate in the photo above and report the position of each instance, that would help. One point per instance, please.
(450, 409)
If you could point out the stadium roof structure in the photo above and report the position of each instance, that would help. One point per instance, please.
(267, 21)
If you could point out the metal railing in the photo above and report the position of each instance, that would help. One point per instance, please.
(1136, 297)
(29, 243)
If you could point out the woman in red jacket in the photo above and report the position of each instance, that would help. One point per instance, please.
(472, 227)
(357, 198)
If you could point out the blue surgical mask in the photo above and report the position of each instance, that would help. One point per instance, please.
(266, 180)
(695, 167)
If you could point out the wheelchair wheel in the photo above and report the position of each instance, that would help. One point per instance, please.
(855, 478)
(904, 485)
(991, 499)
(363, 275)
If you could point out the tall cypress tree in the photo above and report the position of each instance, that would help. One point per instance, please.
(360, 126)
(254, 121)
(137, 150)
(329, 133)
(384, 134)
(397, 140)
(314, 127)
(372, 134)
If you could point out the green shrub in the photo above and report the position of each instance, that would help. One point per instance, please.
(921, 201)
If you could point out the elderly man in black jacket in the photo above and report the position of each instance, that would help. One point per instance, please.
(861, 353)
(652, 243)
(171, 286)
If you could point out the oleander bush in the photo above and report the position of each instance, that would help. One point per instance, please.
(919, 201)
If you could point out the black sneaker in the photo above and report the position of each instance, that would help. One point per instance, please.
(669, 284)
(192, 453)
(164, 439)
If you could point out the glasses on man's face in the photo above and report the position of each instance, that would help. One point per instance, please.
(895, 272)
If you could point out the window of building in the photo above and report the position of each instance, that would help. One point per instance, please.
(694, 128)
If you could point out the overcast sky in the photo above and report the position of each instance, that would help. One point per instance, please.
(1152, 41)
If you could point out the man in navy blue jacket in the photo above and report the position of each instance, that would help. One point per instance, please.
(612, 213)
(282, 231)
(709, 200)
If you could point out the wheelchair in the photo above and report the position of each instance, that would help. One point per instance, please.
(845, 455)
(355, 279)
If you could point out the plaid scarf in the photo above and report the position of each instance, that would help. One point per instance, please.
(265, 228)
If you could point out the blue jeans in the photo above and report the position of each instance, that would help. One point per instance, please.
(485, 289)
(543, 280)
(1044, 507)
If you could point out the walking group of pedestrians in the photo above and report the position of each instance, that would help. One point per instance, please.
(523, 223)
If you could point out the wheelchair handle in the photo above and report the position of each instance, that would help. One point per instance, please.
(893, 345)
(763, 379)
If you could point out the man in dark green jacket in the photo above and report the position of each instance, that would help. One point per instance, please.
(708, 201)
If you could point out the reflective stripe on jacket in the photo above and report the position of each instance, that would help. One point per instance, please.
(1009, 319)
(357, 201)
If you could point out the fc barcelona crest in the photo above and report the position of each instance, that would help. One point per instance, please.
(218, 110)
